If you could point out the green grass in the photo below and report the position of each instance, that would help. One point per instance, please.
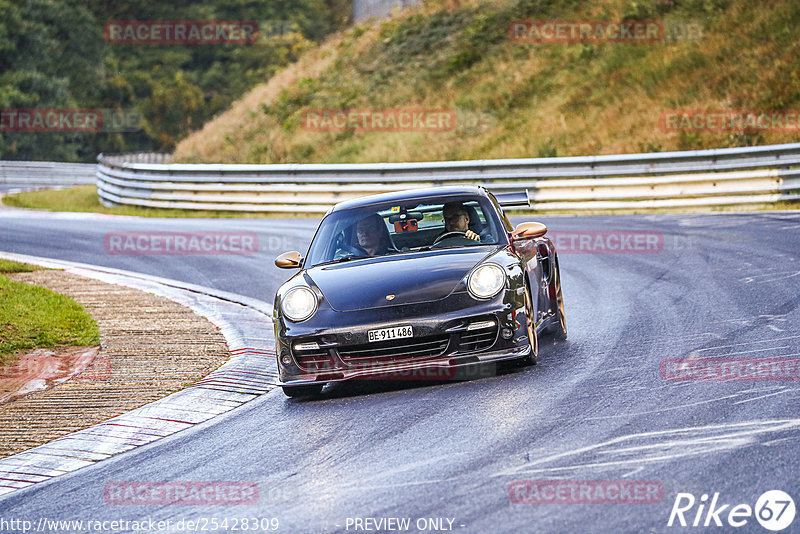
(84, 199)
(35, 317)
(8, 266)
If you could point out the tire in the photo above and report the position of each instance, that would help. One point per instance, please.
(530, 321)
(559, 330)
(303, 391)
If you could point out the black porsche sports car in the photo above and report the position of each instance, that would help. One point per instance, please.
(434, 278)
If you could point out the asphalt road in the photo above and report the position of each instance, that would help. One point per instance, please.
(595, 408)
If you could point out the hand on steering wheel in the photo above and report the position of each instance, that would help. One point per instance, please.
(469, 234)
(349, 250)
(448, 235)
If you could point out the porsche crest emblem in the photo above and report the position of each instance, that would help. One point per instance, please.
(390, 297)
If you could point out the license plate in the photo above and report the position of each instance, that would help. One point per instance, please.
(385, 334)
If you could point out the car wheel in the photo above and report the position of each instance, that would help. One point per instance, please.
(559, 330)
(530, 321)
(303, 391)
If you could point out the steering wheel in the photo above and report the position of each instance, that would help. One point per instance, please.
(349, 250)
(449, 235)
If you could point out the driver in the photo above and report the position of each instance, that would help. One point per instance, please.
(456, 219)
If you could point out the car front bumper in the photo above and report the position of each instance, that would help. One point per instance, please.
(443, 346)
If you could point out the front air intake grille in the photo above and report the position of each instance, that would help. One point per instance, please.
(477, 340)
(395, 350)
(313, 360)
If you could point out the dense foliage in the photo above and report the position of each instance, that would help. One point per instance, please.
(523, 99)
(53, 54)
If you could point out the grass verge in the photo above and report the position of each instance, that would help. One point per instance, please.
(8, 266)
(34, 317)
(84, 199)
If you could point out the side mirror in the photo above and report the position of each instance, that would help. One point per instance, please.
(528, 230)
(289, 260)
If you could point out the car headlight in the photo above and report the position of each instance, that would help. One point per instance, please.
(486, 281)
(299, 303)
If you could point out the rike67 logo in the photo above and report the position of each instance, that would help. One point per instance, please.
(774, 510)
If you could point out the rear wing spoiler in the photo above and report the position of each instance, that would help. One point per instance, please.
(513, 199)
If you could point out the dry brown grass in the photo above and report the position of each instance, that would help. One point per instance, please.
(517, 100)
(219, 139)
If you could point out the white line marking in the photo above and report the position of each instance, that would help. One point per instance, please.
(677, 443)
(767, 395)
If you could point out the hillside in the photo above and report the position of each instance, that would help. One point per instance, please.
(61, 55)
(515, 99)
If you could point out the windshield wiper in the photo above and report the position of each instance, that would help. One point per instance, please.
(349, 257)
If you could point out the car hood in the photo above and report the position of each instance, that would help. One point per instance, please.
(411, 277)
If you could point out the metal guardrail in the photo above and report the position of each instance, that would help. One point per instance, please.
(46, 173)
(718, 177)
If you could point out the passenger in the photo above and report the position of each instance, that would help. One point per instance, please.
(373, 236)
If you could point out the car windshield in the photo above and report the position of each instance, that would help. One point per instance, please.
(404, 226)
